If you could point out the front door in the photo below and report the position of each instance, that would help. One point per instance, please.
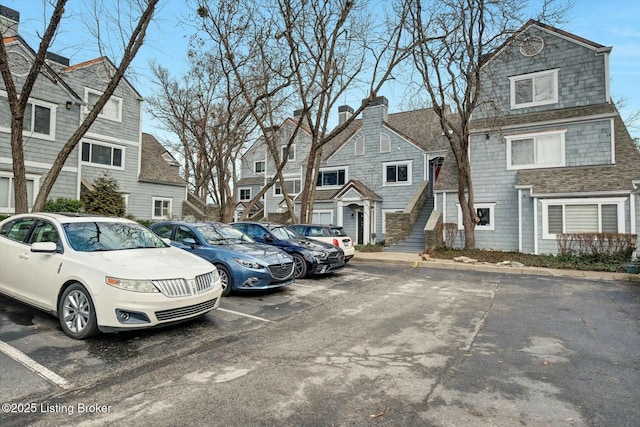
(360, 228)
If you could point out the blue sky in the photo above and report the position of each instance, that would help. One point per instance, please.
(608, 22)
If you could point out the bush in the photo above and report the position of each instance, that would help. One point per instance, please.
(3, 217)
(369, 248)
(608, 247)
(63, 204)
(145, 222)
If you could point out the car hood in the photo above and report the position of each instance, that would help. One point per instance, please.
(148, 263)
(267, 253)
(314, 245)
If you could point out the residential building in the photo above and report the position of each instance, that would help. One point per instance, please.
(61, 98)
(376, 166)
(549, 152)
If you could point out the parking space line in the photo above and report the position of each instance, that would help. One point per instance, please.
(31, 364)
(243, 314)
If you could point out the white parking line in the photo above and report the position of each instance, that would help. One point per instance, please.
(243, 314)
(47, 374)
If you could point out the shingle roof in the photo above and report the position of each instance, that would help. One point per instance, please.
(421, 127)
(153, 167)
(366, 192)
(257, 180)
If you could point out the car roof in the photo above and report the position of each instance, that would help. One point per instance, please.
(317, 225)
(192, 223)
(70, 217)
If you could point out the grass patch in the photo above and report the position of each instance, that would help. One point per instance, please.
(583, 263)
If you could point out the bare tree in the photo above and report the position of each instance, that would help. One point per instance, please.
(452, 41)
(19, 96)
(205, 110)
(305, 53)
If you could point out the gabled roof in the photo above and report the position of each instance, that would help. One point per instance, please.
(153, 167)
(358, 186)
(108, 64)
(420, 128)
(550, 29)
(46, 69)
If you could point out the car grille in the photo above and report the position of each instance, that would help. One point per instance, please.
(190, 310)
(281, 271)
(335, 258)
(180, 287)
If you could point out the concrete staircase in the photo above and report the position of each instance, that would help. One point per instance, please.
(415, 242)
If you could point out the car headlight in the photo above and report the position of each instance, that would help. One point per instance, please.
(131, 285)
(216, 275)
(319, 255)
(248, 264)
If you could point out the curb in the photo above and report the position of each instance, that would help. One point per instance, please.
(405, 259)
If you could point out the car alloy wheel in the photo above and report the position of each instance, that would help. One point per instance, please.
(300, 266)
(225, 278)
(77, 314)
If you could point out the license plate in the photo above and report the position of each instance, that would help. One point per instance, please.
(346, 243)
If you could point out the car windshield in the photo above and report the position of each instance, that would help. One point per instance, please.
(222, 235)
(284, 233)
(337, 231)
(92, 236)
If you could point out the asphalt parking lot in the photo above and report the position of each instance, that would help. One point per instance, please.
(375, 344)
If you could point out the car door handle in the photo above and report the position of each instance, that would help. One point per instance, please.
(24, 255)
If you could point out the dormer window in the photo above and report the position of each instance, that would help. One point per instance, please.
(531, 90)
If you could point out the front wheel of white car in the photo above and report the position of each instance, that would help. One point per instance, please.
(76, 313)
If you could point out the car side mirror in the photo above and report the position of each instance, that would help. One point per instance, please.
(267, 237)
(189, 242)
(44, 247)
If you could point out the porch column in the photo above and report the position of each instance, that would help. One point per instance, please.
(367, 222)
(340, 214)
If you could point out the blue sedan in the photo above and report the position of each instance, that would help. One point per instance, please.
(243, 264)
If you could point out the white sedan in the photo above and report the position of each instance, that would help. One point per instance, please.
(102, 274)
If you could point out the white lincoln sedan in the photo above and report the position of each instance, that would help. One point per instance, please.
(102, 274)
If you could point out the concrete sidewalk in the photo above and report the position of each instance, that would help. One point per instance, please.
(416, 260)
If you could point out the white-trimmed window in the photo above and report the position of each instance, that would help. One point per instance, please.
(161, 208)
(536, 150)
(485, 216)
(530, 90)
(245, 194)
(103, 154)
(293, 186)
(322, 217)
(332, 177)
(288, 152)
(385, 143)
(359, 145)
(259, 166)
(396, 173)
(582, 216)
(112, 110)
(7, 204)
(39, 118)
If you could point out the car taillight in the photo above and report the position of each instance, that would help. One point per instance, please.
(335, 242)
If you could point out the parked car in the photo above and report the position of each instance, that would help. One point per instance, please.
(243, 264)
(331, 234)
(102, 274)
(310, 257)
